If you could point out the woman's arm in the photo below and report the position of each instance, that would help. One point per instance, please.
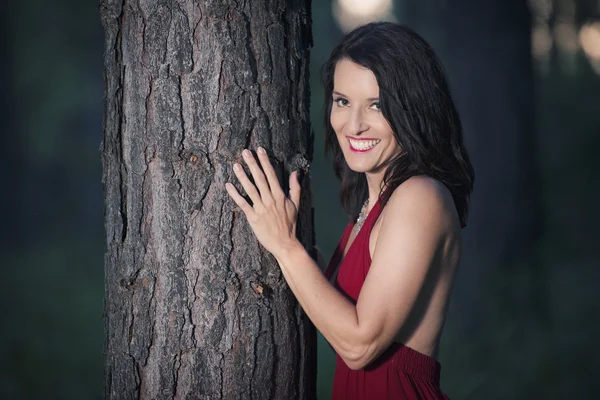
(409, 239)
(407, 245)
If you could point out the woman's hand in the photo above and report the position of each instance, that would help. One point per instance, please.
(273, 215)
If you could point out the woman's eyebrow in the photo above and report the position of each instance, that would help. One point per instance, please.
(343, 95)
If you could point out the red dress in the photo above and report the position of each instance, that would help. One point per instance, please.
(400, 372)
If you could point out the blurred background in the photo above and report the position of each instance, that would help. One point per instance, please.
(524, 318)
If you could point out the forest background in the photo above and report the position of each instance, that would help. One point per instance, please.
(524, 328)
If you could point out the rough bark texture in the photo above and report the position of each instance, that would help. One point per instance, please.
(195, 308)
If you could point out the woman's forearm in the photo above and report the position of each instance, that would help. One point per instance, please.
(334, 315)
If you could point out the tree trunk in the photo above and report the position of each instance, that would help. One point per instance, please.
(195, 308)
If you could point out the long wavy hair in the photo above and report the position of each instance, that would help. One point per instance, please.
(415, 100)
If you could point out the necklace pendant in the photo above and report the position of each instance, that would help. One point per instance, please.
(361, 216)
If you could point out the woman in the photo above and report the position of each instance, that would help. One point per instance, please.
(397, 147)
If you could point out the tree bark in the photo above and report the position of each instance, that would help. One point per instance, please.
(195, 308)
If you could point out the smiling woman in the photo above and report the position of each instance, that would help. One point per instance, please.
(406, 178)
(384, 78)
(357, 120)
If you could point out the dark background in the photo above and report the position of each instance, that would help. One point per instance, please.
(524, 318)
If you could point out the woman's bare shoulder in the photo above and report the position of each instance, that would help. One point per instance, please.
(425, 199)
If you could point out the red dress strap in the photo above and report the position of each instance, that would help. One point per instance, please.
(338, 252)
(367, 226)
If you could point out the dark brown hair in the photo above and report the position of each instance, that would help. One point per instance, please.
(415, 99)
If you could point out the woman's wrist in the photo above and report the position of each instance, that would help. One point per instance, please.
(288, 251)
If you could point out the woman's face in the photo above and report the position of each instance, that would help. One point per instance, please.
(365, 136)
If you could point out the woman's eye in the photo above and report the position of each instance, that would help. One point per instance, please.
(376, 106)
(341, 102)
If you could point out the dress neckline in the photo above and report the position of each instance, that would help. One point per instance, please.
(367, 225)
(338, 255)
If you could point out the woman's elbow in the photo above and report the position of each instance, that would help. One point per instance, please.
(359, 357)
(356, 365)
(364, 349)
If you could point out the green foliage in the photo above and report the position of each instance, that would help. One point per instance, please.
(53, 343)
(57, 74)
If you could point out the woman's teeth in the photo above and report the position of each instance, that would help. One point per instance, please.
(363, 144)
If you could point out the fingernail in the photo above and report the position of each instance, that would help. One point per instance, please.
(236, 167)
(261, 150)
(246, 153)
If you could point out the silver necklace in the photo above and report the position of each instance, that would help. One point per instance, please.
(362, 216)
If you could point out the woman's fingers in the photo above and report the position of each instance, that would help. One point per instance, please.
(239, 200)
(257, 174)
(272, 179)
(246, 183)
(295, 189)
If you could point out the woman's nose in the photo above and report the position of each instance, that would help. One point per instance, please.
(356, 123)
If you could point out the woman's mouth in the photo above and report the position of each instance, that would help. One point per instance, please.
(362, 145)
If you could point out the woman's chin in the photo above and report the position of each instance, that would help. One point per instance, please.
(373, 168)
(360, 168)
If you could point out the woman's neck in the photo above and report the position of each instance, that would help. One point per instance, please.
(374, 184)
